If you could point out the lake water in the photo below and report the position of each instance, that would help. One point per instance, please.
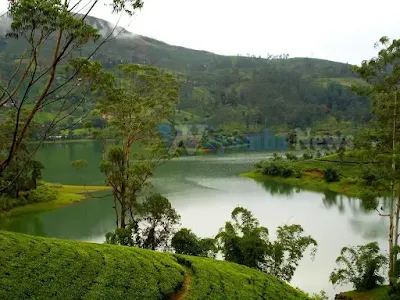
(204, 190)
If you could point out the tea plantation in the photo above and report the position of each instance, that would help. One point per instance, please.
(42, 268)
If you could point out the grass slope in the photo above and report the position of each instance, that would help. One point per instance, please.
(380, 293)
(42, 268)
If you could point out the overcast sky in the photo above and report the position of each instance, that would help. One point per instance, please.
(341, 30)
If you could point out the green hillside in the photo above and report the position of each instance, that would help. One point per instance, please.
(43, 268)
(237, 92)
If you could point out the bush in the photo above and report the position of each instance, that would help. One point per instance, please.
(41, 194)
(186, 242)
(394, 292)
(291, 156)
(286, 172)
(7, 203)
(369, 176)
(307, 156)
(277, 168)
(272, 169)
(331, 175)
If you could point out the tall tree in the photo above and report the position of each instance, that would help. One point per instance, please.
(35, 82)
(382, 145)
(245, 242)
(143, 98)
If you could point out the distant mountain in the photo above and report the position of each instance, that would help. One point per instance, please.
(231, 91)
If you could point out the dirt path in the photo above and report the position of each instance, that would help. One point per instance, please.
(182, 294)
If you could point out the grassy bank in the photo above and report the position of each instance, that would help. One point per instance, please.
(312, 177)
(43, 268)
(380, 293)
(65, 195)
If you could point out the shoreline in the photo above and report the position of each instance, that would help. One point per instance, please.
(66, 195)
(309, 182)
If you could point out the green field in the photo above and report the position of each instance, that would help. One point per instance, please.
(43, 268)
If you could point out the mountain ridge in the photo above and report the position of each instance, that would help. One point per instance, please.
(240, 93)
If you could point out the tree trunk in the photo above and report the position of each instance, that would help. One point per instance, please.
(124, 203)
(392, 257)
(391, 252)
(116, 210)
(123, 206)
(396, 228)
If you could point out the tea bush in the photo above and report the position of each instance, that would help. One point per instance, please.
(42, 268)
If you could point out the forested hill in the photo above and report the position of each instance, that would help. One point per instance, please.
(231, 91)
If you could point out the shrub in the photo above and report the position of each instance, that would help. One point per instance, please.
(298, 173)
(278, 168)
(7, 203)
(186, 242)
(258, 165)
(286, 172)
(291, 156)
(331, 175)
(394, 292)
(307, 156)
(41, 194)
(369, 176)
(272, 169)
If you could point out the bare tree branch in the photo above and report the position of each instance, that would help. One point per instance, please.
(382, 215)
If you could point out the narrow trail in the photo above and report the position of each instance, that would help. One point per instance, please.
(183, 293)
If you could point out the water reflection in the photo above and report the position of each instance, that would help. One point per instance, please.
(278, 188)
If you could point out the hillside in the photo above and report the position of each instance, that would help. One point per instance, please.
(42, 268)
(237, 92)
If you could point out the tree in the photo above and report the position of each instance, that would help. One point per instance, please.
(156, 222)
(382, 144)
(360, 266)
(143, 98)
(245, 242)
(47, 26)
(79, 164)
(152, 228)
(286, 252)
(186, 242)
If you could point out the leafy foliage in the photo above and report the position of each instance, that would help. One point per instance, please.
(79, 164)
(245, 242)
(382, 142)
(286, 252)
(141, 99)
(152, 227)
(360, 266)
(278, 168)
(331, 175)
(186, 242)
